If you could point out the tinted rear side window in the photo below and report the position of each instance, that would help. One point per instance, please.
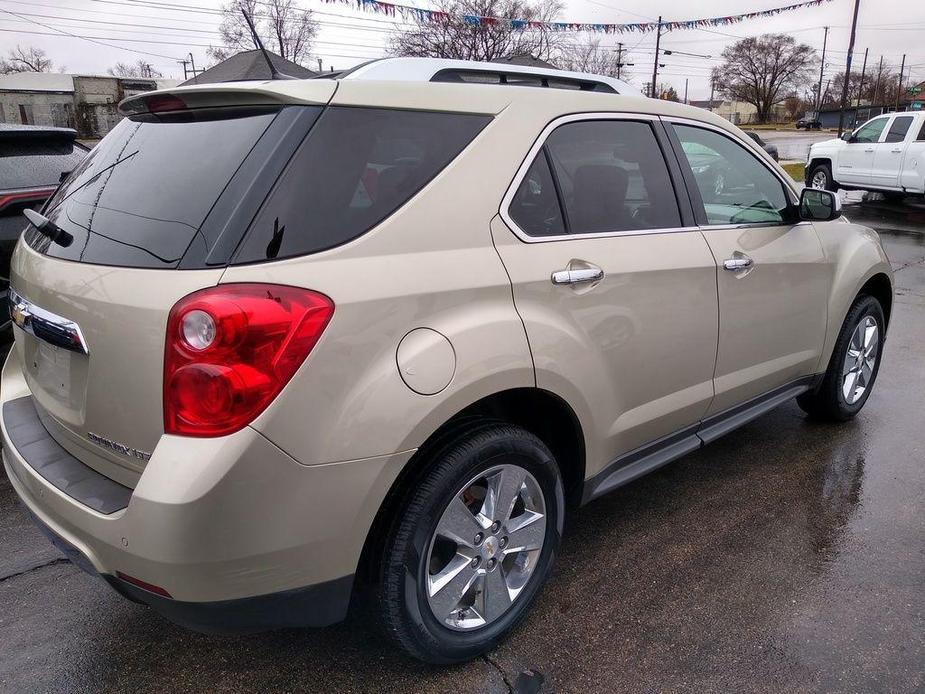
(535, 206)
(612, 176)
(899, 128)
(141, 195)
(34, 163)
(355, 168)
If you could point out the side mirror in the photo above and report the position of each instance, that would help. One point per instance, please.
(819, 205)
(846, 136)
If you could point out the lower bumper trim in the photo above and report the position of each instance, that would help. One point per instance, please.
(318, 605)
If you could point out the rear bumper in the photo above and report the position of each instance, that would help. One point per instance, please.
(239, 535)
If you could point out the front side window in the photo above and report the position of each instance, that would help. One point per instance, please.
(735, 187)
(898, 129)
(921, 137)
(608, 175)
(870, 132)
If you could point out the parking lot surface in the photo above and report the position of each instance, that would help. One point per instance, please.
(788, 556)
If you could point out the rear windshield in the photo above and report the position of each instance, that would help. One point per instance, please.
(37, 162)
(355, 168)
(141, 195)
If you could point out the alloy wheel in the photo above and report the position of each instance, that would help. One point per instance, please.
(820, 180)
(860, 359)
(486, 547)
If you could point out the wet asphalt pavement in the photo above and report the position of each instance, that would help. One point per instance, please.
(793, 145)
(788, 556)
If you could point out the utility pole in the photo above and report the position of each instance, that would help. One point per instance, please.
(712, 89)
(877, 83)
(899, 90)
(184, 63)
(857, 109)
(619, 58)
(685, 89)
(193, 63)
(825, 40)
(320, 68)
(844, 89)
(658, 38)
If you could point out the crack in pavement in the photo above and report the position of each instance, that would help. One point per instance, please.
(52, 562)
(910, 264)
(500, 670)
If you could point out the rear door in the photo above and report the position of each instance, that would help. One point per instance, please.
(856, 158)
(770, 270)
(616, 287)
(889, 154)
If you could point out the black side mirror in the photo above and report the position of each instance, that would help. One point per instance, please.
(819, 205)
(847, 136)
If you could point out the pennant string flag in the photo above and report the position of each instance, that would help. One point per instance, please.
(427, 16)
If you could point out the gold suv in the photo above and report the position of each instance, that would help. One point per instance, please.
(281, 343)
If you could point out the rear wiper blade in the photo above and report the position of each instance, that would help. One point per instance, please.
(48, 228)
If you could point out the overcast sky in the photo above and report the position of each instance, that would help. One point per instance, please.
(159, 33)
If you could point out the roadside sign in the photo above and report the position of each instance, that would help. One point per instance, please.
(916, 105)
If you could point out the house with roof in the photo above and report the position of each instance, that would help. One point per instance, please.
(249, 65)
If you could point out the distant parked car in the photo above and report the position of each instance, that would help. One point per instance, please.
(32, 161)
(883, 155)
(769, 148)
(809, 122)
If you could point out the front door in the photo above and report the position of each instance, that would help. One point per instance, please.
(889, 154)
(618, 298)
(856, 158)
(770, 269)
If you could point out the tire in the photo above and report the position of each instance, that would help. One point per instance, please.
(415, 552)
(820, 176)
(829, 401)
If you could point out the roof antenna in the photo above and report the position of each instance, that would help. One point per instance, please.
(274, 73)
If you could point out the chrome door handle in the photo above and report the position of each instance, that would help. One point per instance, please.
(896, 151)
(736, 264)
(590, 274)
(868, 150)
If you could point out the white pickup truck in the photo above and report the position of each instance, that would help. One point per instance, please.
(886, 154)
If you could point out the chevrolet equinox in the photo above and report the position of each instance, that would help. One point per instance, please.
(280, 343)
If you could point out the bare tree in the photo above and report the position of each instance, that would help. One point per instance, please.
(284, 26)
(879, 87)
(763, 70)
(452, 36)
(588, 57)
(29, 59)
(141, 68)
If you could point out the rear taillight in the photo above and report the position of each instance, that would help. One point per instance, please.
(231, 349)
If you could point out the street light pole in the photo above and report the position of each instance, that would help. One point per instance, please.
(658, 38)
(844, 89)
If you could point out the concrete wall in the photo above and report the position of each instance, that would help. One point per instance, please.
(39, 108)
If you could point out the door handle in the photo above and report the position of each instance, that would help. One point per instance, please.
(738, 263)
(868, 150)
(577, 276)
(896, 151)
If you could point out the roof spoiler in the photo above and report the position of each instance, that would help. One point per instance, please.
(37, 133)
(228, 94)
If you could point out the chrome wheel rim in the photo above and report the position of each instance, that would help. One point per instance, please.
(860, 359)
(820, 180)
(485, 548)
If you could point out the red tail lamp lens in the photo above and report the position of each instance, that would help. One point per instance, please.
(231, 349)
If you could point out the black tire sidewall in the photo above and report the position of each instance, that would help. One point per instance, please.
(498, 445)
(864, 307)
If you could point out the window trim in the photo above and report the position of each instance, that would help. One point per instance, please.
(540, 143)
(749, 146)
